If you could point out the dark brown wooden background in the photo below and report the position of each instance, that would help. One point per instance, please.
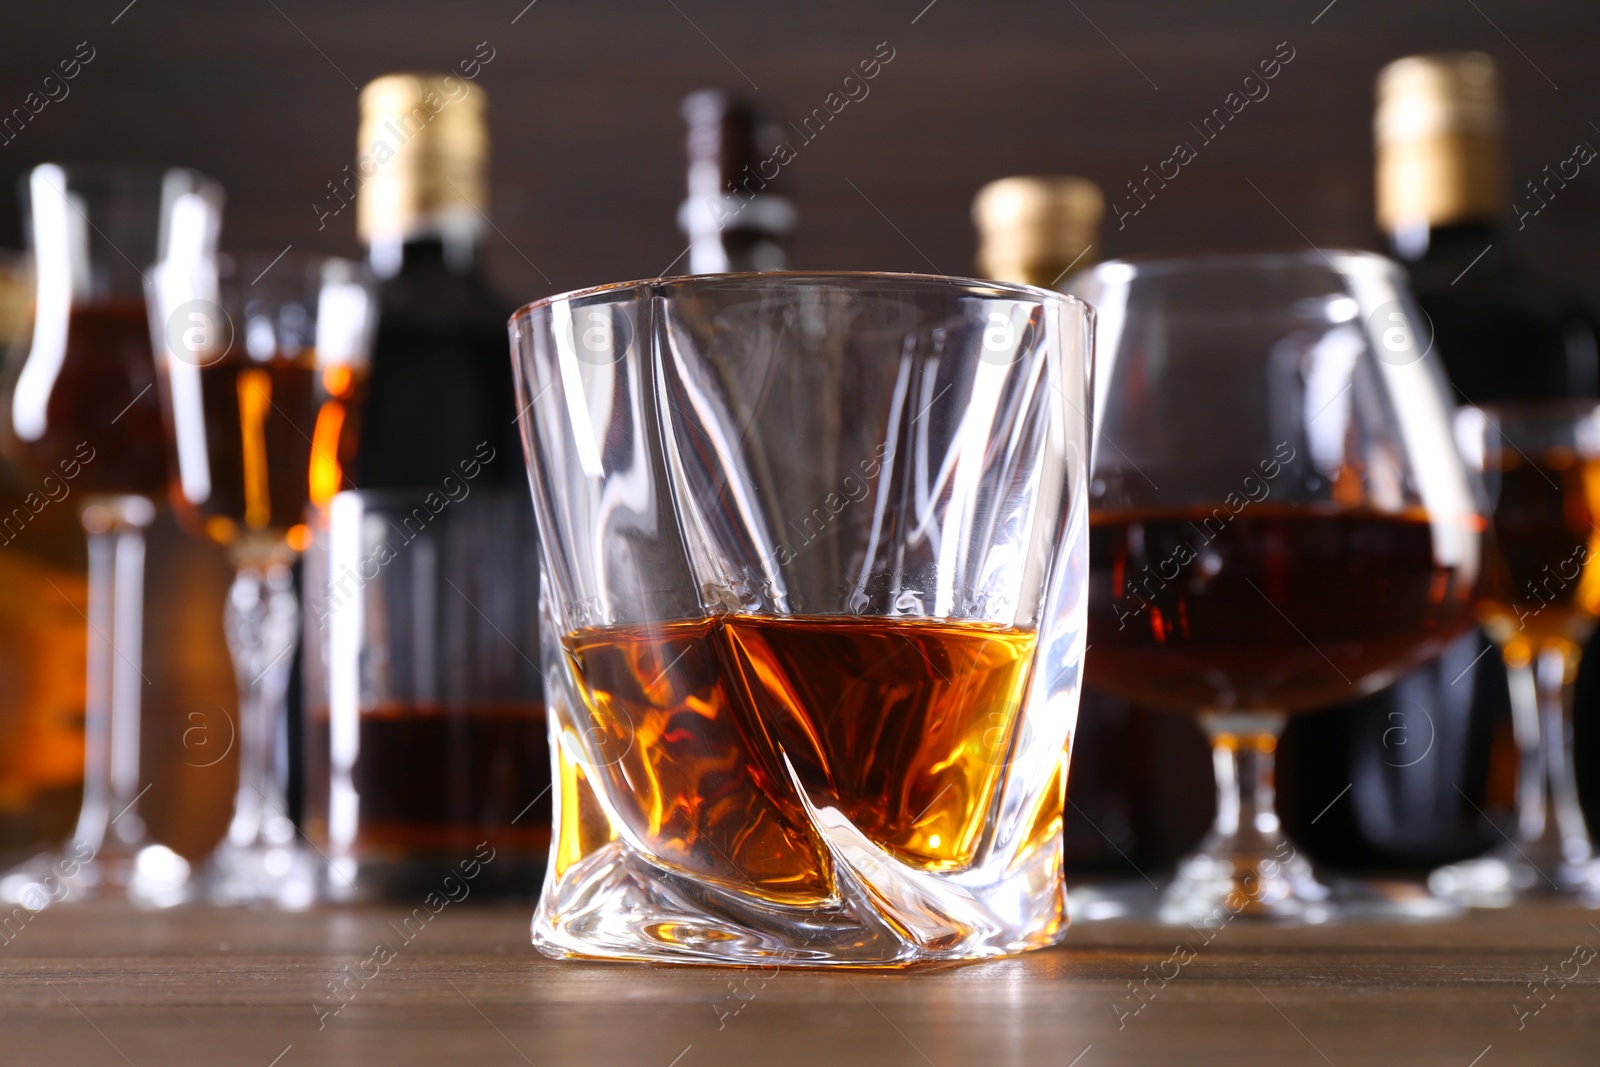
(587, 150)
(584, 96)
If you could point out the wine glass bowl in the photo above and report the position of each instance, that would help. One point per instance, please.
(1279, 521)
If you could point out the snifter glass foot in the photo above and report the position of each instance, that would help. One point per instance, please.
(284, 876)
(1245, 866)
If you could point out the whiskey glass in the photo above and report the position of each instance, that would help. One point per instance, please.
(1541, 468)
(80, 406)
(813, 605)
(1280, 521)
(261, 360)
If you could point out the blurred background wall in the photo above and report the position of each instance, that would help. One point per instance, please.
(588, 167)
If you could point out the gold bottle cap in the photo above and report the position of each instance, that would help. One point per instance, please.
(1438, 130)
(1030, 229)
(424, 151)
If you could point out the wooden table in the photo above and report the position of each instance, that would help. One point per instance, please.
(105, 985)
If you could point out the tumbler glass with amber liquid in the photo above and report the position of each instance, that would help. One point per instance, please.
(80, 406)
(1280, 523)
(1541, 467)
(262, 361)
(813, 613)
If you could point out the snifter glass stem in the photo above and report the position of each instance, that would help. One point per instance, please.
(259, 860)
(1245, 865)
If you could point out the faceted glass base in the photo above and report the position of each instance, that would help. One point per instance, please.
(615, 904)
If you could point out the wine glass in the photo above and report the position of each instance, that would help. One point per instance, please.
(80, 404)
(1279, 522)
(261, 361)
(1541, 466)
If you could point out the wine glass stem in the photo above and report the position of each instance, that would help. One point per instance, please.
(261, 623)
(1553, 671)
(111, 788)
(1524, 691)
(1243, 755)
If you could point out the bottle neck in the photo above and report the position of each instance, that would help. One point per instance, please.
(1450, 243)
(431, 253)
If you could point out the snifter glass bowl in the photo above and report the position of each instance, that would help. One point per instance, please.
(813, 613)
(1280, 523)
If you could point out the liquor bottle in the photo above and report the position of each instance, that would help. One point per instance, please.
(1035, 230)
(737, 213)
(457, 754)
(1410, 753)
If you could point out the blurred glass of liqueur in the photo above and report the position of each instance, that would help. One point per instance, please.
(43, 595)
(1541, 466)
(257, 354)
(425, 732)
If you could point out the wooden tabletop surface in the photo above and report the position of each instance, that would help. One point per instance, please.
(103, 984)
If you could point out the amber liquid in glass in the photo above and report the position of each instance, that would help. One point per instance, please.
(441, 778)
(1544, 584)
(694, 727)
(1269, 609)
(104, 395)
(279, 435)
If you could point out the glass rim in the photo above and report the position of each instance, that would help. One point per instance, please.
(1557, 410)
(1261, 259)
(842, 278)
(112, 174)
(233, 263)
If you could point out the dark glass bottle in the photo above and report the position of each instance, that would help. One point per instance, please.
(440, 382)
(441, 766)
(738, 212)
(1034, 230)
(1420, 757)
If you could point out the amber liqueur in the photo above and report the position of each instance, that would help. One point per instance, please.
(1544, 585)
(1274, 608)
(702, 733)
(104, 395)
(436, 779)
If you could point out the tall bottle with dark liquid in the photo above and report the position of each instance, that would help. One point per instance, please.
(1036, 230)
(456, 755)
(1411, 753)
(738, 212)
